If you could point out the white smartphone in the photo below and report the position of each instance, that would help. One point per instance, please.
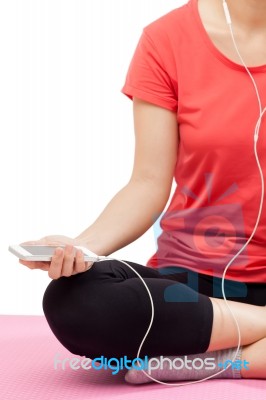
(44, 252)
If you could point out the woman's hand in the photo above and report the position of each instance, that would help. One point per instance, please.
(63, 262)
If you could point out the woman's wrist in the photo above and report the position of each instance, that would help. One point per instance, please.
(90, 244)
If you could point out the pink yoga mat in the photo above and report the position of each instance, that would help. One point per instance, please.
(27, 372)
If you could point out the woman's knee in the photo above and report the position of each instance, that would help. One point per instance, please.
(78, 309)
(64, 305)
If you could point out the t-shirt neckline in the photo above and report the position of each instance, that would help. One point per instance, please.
(218, 54)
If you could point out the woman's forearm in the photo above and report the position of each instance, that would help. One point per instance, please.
(130, 213)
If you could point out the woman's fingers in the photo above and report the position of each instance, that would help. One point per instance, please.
(65, 261)
(80, 264)
(56, 263)
(68, 262)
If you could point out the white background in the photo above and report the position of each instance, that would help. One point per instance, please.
(67, 136)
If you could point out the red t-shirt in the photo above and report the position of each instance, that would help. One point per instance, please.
(215, 205)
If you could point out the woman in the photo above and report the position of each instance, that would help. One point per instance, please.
(195, 111)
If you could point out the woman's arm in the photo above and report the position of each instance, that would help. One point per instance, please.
(136, 206)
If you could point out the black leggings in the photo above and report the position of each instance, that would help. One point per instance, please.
(106, 310)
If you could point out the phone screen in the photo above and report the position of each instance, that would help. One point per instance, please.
(41, 250)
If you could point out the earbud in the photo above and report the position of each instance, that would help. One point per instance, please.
(227, 13)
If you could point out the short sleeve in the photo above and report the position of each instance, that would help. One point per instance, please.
(147, 77)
